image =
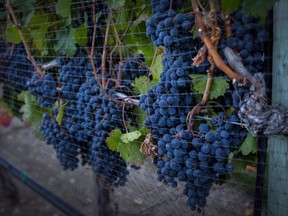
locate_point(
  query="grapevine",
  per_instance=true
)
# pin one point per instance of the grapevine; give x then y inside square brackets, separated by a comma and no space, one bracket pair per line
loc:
[92,95]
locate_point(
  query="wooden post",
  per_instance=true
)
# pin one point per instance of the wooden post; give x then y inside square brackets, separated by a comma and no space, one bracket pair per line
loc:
[278,146]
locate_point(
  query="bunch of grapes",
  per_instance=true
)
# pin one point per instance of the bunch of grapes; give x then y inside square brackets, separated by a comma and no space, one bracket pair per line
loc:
[44,88]
[17,69]
[100,116]
[133,68]
[248,40]
[200,156]
[63,142]
[85,16]
[72,75]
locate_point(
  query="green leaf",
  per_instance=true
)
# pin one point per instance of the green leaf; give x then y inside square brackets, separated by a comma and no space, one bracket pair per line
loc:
[39,41]
[32,113]
[12,34]
[80,35]
[24,6]
[29,17]
[157,68]
[257,8]
[113,139]
[218,88]
[148,51]
[249,145]
[39,24]
[116,4]
[140,115]
[128,150]
[63,8]
[144,85]
[66,42]
[230,5]
[144,131]
[130,137]
[137,40]
[60,115]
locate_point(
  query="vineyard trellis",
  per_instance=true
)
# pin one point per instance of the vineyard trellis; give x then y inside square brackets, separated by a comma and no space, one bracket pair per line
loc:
[112,84]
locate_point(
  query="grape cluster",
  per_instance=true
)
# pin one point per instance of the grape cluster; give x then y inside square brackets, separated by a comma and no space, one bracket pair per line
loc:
[85,16]
[89,117]
[133,68]
[44,88]
[100,116]
[168,103]
[3,54]
[196,157]
[248,40]
[71,75]
[17,69]
[62,141]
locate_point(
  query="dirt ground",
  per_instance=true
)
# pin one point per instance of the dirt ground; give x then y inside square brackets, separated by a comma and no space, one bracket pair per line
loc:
[142,196]
[19,200]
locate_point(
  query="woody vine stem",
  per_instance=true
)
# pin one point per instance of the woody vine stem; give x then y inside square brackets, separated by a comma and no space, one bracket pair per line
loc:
[23,39]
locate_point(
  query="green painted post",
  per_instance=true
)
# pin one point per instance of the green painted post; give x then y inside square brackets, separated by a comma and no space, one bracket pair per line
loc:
[278,146]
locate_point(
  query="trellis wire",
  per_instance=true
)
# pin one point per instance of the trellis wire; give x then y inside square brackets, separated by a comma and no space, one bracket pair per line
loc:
[52,65]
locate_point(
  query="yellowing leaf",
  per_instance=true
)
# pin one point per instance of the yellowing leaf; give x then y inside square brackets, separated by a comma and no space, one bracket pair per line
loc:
[130,137]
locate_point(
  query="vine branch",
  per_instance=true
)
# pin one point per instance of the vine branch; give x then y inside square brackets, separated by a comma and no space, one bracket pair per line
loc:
[23,39]
[212,49]
[196,109]
[227,24]
[91,56]
[104,54]
[202,54]
[119,46]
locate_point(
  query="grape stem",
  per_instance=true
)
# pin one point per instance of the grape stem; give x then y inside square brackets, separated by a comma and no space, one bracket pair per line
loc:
[123,118]
[131,20]
[139,63]
[23,39]
[151,66]
[227,24]
[196,109]
[212,49]
[215,37]
[119,46]
[200,57]
[91,56]
[171,4]
[104,53]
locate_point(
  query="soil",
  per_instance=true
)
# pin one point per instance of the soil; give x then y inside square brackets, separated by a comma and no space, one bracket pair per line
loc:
[142,195]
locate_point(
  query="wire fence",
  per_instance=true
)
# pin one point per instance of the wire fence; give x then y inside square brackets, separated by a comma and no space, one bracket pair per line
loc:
[147,107]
